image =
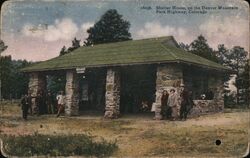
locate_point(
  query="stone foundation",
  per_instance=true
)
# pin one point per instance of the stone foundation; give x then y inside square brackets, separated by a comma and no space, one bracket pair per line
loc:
[167,77]
[112,95]
[37,83]
[72,93]
[202,107]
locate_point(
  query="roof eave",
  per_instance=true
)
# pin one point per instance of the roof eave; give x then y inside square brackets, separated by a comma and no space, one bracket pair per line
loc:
[129,64]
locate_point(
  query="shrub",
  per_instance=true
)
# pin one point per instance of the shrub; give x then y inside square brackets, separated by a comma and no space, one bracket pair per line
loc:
[61,145]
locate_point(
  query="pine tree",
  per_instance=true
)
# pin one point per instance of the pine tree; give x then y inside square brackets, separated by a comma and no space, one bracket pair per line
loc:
[3,47]
[184,46]
[63,51]
[200,47]
[75,45]
[110,28]
[237,59]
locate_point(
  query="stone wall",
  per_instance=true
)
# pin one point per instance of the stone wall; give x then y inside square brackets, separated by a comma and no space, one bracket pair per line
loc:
[112,94]
[167,77]
[210,106]
[216,84]
[72,93]
[37,83]
[205,107]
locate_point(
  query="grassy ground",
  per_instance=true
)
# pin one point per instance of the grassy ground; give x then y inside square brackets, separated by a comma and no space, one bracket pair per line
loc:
[140,135]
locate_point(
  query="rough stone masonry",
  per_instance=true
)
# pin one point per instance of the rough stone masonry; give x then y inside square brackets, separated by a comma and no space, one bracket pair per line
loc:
[112,95]
[72,93]
[37,83]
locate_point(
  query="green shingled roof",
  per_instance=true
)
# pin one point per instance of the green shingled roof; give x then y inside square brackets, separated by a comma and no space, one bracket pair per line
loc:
[153,50]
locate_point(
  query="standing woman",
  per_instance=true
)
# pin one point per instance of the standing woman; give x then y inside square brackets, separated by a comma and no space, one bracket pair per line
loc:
[173,103]
[164,102]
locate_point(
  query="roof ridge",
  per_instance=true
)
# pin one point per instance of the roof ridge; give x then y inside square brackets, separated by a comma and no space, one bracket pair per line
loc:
[135,40]
[163,46]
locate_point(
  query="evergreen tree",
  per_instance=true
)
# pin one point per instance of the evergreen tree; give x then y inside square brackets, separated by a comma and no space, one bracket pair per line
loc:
[223,58]
[184,46]
[110,28]
[75,45]
[19,81]
[14,82]
[200,47]
[63,51]
[238,60]
[244,84]
[3,47]
[5,74]
[222,55]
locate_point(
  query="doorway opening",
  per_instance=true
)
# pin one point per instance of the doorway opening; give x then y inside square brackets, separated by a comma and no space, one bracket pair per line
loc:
[92,90]
[137,88]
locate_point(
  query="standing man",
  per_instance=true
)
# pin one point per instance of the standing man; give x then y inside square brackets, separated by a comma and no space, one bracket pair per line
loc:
[184,97]
[60,102]
[39,103]
[49,103]
[25,106]
[173,103]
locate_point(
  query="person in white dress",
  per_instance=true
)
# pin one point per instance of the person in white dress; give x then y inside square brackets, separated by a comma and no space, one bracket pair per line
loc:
[173,103]
[60,102]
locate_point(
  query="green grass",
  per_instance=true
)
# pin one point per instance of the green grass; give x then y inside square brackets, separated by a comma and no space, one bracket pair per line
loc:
[60,145]
[195,141]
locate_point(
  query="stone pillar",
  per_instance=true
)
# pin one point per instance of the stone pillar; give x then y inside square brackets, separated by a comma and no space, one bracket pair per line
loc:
[112,93]
[72,93]
[167,77]
[217,86]
[219,93]
[37,83]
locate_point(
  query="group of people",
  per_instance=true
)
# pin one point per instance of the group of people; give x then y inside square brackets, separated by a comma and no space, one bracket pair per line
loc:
[174,106]
[43,104]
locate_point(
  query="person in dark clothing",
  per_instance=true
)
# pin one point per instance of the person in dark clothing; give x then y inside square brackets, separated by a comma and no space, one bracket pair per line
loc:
[209,95]
[190,101]
[49,103]
[30,103]
[39,103]
[184,96]
[25,106]
[165,109]
[43,108]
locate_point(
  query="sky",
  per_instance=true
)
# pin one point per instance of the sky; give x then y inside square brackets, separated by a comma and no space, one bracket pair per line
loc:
[37,30]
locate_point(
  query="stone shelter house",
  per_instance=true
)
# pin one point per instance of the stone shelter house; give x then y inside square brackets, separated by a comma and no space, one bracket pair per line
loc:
[120,75]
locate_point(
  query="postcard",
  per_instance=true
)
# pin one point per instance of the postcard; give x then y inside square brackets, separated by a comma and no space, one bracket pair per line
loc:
[109,78]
